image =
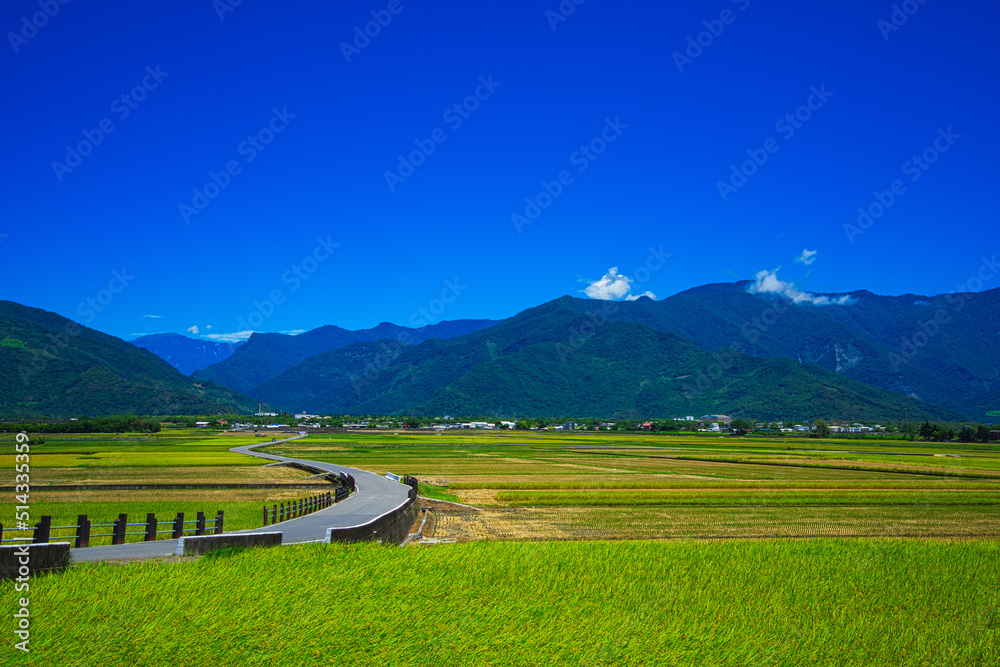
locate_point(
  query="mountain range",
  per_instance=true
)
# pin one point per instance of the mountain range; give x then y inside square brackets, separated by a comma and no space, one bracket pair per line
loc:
[53,367]
[713,349]
[267,355]
[941,352]
[186,354]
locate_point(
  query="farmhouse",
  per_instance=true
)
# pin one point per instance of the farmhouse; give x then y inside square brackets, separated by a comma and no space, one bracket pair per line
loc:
[723,419]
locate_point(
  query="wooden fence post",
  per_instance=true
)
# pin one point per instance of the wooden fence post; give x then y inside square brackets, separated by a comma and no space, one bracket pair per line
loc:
[120,529]
[42,529]
[150,527]
[265,515]
[82,531]
[1,533]
[218,522]
[179,525]
[201,523]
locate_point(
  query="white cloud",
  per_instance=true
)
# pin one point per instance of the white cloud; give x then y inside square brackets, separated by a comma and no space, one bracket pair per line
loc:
[767,282]
[612,286]
[234,337]
[209,326]
[193,329]
[294,332]
[807,257]
[155,317]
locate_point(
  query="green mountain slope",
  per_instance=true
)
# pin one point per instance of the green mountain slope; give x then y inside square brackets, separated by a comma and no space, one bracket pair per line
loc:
[552,360]
[50,366]
[628,370]
[957,365]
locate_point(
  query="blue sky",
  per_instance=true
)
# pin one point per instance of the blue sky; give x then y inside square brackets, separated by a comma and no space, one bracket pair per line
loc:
[622,131]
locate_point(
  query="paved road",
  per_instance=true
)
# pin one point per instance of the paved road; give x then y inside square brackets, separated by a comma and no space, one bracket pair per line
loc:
[375,496]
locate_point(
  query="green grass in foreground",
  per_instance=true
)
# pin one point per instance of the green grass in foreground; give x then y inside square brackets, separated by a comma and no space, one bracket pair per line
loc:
[835,602]
[435,492]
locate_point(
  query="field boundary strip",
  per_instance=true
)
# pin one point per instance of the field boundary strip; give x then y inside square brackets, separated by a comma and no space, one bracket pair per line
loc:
[775,464]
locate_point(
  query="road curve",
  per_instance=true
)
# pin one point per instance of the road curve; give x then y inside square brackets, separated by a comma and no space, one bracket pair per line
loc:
[375,496]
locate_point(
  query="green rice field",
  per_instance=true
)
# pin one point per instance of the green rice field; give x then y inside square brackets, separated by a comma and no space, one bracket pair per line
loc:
[739,602]
[562,549]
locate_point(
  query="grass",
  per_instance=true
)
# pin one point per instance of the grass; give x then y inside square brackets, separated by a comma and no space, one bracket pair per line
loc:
[435,492]
[741,602]
[243,507]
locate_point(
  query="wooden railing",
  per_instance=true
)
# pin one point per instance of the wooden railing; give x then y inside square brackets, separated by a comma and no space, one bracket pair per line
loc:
[297,508]
[119,529]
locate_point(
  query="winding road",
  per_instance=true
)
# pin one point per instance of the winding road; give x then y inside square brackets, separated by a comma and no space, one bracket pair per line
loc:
[375,496]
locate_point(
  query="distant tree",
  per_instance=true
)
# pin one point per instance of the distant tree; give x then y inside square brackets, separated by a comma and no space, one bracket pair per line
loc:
[822,429]
[521,426]
[927,430]
[966,434]
[983,433]
[740,426]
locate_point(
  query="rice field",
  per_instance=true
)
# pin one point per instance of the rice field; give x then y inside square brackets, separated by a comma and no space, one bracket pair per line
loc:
[563,485]
[738,602]
[636,550]
[101,462]
[568,486]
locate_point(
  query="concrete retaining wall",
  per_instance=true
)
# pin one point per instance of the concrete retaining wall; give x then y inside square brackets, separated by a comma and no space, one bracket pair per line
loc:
[201,544]
[47,557]
[390,528]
